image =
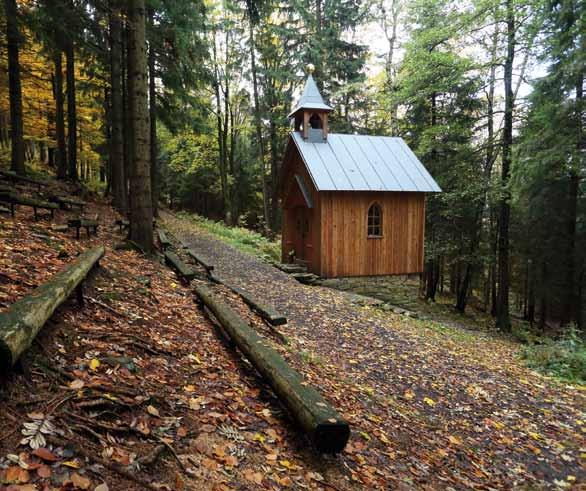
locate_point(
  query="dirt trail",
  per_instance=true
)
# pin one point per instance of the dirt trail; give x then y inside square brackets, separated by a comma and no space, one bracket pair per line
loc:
[431,407]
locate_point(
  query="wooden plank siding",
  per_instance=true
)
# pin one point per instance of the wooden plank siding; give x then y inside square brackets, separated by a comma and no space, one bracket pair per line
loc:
[338,244]
[347,251]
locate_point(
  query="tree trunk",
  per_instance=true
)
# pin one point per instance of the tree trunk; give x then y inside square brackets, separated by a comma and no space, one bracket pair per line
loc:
[141,211]
[118,179]
[503,320]
[15,90]
[153,124]
[71,110]
[59,116]
[257,126]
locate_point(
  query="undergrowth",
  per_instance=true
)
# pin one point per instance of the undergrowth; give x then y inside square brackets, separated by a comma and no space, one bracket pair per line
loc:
[241,238]
[563,357]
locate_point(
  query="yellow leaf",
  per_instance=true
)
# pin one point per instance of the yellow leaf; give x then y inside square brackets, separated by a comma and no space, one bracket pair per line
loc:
[409,394]
[286,464]
[429,401]
[454,440]
[535,436]
[74,464]
[94,364]
[189,388]
[365,435]
[259,438]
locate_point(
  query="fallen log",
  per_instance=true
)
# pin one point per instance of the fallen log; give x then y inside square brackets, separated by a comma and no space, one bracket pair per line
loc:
[20,324]
[182,269]
[200,260]
[266,311]
[327,430]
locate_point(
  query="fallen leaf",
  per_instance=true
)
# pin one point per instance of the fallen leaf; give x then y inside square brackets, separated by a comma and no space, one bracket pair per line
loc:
[429,401]
[94,364]
[153,411]
[76,384]
[44,471]
[80,481]
[45,454]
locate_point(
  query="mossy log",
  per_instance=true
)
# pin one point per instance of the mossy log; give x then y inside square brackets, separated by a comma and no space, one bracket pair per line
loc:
[182,269]
[201,261]
[327,430]
[266,311]
[20,324]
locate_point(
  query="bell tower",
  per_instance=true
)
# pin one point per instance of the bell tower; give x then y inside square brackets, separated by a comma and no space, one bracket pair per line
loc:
[311,114]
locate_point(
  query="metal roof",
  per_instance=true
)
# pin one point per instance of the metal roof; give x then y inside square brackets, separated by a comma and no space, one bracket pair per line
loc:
[311,98]
[364,163]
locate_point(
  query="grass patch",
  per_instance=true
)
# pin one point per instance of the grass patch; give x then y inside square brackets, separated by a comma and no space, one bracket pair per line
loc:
[564,357]
[240,238]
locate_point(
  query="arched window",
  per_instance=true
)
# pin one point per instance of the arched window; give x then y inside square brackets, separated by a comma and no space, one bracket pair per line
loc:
[375,221]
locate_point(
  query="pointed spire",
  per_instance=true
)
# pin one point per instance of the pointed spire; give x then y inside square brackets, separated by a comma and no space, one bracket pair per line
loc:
[311,98]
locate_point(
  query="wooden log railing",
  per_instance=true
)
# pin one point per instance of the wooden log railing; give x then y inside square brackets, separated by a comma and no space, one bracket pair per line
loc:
[182,269]
[201,261]
[326,429]
[267,311]
[20,324]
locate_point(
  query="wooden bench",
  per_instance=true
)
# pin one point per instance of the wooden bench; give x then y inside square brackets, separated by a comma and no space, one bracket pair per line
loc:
[182,269]
[11,176]
[65,202]
[163,240]
[201,261]
[123,224]
[14,199]
[79,223]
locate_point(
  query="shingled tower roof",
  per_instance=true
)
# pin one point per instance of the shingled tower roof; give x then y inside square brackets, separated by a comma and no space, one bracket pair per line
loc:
[310,99]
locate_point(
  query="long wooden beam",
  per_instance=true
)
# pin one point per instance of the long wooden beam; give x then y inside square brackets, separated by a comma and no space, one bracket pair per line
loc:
[267,311]
[325,427]
[24,319]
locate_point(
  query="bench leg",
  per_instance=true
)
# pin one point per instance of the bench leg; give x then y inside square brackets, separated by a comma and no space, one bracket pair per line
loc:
[77,232]
[35,210]
[12,206]
[79,294]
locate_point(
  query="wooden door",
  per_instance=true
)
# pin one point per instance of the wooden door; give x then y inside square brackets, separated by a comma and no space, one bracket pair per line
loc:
[302,233]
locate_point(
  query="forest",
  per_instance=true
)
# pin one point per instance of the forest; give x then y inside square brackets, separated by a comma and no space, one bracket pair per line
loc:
[185,103]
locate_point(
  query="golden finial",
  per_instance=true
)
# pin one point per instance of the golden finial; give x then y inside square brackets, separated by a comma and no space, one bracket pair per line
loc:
[310,68]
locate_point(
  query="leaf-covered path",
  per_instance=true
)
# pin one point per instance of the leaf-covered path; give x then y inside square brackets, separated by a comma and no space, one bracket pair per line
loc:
[431,407]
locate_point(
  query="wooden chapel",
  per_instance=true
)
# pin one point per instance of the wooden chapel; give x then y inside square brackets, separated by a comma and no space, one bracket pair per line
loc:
[353,205]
